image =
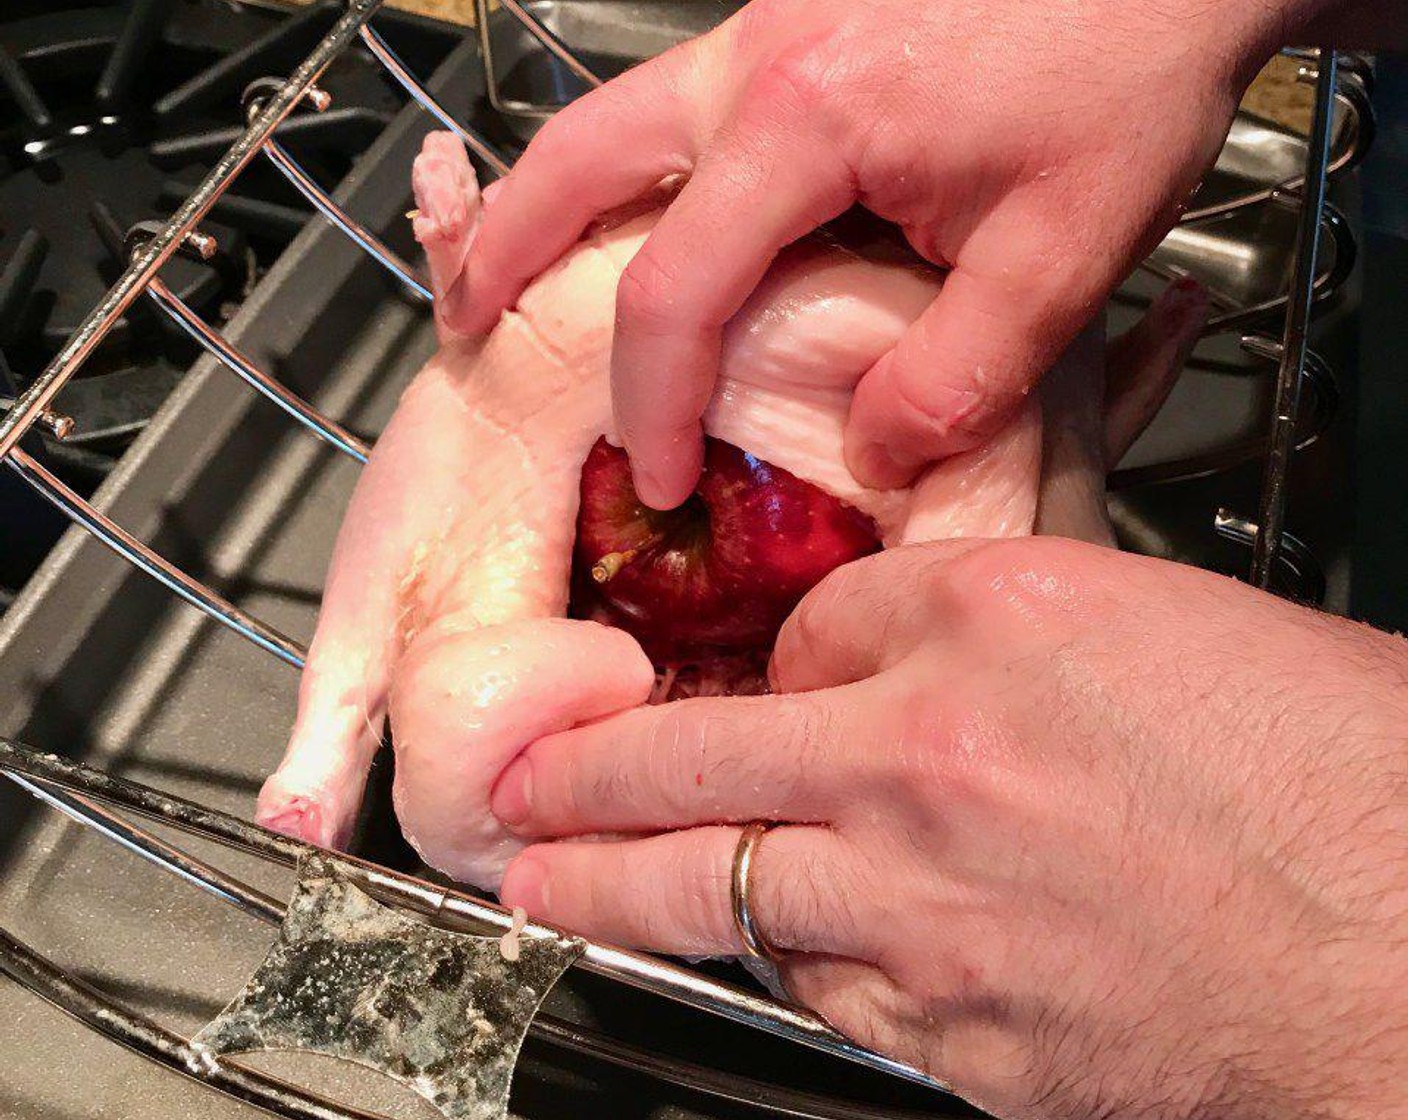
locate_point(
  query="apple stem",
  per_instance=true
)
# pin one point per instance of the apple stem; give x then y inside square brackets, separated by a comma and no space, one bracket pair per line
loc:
[609,565]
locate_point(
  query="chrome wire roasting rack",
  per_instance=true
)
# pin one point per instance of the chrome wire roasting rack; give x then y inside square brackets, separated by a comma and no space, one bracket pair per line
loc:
[1253,196]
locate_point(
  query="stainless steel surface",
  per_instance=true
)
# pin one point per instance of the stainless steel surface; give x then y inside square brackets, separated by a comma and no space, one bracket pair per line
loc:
[529,83]
[529,21]
[1286,416]
[1244,259]
[1262,159]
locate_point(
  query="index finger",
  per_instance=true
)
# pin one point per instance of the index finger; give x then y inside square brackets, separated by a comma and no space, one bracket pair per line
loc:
[764,183]
[604,150]
[694,762]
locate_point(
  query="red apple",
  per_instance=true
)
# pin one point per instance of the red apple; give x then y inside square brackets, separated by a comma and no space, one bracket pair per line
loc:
[720,573]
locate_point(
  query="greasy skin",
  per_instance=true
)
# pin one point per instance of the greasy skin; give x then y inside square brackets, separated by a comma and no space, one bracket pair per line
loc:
[449,582]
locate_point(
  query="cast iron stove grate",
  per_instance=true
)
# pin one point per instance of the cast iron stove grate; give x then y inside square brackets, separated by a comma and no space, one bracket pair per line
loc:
[109,114]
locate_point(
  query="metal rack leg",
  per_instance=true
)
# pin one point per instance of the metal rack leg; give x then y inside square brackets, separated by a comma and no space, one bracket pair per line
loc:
[1271,518]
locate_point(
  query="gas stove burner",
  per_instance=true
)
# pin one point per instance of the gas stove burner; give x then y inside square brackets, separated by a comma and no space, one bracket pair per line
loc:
[109,116]
[81,83]
[112,113]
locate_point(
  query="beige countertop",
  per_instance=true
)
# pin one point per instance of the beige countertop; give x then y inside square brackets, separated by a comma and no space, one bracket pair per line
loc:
[461,11]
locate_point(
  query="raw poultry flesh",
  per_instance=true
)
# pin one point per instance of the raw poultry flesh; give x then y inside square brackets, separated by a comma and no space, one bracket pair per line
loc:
[447,602]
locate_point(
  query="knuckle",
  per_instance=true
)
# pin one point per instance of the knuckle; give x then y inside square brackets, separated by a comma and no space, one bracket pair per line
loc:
[810,76]
[611,783]
[934,403]
[677,756]
[560,793]
[807,732]
[647,294]
[560,134]
[810,627]
[1035,578]
[698,878]
[575,128]
[950,747]
[924,578]
[595,897]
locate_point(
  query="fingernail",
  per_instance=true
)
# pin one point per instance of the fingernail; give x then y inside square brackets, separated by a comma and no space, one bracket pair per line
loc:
[526,884]
[512,799]
[876,466]
[651,489]
[1187,290]
[299,817]
[491,192]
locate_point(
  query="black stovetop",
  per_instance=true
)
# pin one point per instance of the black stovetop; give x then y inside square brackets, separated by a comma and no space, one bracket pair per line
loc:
[109,115]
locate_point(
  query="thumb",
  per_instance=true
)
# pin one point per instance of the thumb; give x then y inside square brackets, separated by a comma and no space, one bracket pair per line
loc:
[964,366]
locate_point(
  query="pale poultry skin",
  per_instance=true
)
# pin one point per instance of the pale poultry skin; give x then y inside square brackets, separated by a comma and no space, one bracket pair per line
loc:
[445,605]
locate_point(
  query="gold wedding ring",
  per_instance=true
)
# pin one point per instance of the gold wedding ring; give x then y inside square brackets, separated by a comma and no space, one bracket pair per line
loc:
[742,886]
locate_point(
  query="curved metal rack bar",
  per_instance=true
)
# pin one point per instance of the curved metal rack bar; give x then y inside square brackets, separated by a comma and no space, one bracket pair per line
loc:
[305,185]
[148,261]
[1291,375]
[215,343]
[534,26]
[140,556]
[1324,397]
[154,850]
[408,81]
[651,974]
[1299,568]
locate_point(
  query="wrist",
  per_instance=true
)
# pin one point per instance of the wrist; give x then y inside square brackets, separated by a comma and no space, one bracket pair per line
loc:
[1281,23]
[1365,24]
[1245,36]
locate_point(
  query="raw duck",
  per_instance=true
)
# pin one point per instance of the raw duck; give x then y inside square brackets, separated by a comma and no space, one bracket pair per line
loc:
[447,600]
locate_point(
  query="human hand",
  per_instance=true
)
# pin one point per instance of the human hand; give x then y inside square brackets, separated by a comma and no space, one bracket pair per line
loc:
[1038,151]
[1078,832]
